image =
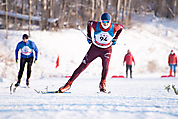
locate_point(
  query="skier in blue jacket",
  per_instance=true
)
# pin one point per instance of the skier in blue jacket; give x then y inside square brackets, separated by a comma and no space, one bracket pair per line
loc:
[27,56]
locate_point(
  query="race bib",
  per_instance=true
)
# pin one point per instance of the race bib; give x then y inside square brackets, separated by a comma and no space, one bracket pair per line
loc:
[26,50]
[103,39]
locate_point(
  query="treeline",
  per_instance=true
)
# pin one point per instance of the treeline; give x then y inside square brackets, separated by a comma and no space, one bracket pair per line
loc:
[58,14]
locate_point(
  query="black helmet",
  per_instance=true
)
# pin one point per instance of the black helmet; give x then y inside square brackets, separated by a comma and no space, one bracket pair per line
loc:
[25,36]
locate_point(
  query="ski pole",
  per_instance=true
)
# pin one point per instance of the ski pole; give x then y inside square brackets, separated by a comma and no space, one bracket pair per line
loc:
[39,67]
[42,72]
[83,32]
[17,66]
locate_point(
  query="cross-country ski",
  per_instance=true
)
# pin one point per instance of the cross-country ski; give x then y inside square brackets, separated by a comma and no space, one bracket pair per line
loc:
[11,88]
[49,92]
[107,92]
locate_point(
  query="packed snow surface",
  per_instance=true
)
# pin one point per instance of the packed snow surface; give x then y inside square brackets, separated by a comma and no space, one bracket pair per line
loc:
[137,98]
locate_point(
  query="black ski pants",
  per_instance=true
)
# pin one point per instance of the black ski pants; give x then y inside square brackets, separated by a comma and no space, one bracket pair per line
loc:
[130,68]
[23,61]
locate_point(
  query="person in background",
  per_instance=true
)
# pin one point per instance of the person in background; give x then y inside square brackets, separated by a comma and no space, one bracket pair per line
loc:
[172,61]
[105,35]
[129,59]
[27,56]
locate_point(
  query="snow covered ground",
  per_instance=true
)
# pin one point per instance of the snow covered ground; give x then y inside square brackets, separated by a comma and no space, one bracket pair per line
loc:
[137,98]
[150,40]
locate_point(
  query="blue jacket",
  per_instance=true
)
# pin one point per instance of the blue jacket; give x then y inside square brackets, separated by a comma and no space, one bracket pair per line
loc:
[26,49]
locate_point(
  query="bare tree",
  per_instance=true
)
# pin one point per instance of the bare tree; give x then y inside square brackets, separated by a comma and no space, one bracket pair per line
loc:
[162,4]
[36,4]
[140,6]
[7,24]
[23,7]
[68,17]
[29,25]
[15,26]
[102,6]
[176,7]
[56,7]
[71,13]
[128,13]
[81,12]
[76,12]
[98,11]
[93,9]
[51,11]
[62,14]
[118,10]
[44,14]
[124,9]
[170,8]
[106,5]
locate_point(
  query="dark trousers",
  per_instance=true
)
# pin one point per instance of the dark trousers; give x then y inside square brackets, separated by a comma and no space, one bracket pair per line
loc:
[23,61]
[93,53]
[130,68]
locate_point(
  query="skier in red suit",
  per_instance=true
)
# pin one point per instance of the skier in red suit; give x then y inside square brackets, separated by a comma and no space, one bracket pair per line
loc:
[128,59]
[172,61]
[105,35]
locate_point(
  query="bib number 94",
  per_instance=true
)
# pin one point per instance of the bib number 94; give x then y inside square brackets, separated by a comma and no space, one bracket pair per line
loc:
[103,38]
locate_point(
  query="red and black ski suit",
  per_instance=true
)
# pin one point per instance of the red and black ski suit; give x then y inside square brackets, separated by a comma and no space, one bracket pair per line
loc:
[101,47]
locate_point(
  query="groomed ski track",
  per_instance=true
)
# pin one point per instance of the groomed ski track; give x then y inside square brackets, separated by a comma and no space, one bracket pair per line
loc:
[136,98]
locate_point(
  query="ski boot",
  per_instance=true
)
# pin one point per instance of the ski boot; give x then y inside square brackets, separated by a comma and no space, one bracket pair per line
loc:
[126,74]
[102,86]
[27,82]
[65,87]
[130,75]
[17,84]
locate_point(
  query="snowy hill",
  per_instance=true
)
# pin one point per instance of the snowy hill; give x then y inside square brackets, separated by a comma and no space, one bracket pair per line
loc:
[150,40]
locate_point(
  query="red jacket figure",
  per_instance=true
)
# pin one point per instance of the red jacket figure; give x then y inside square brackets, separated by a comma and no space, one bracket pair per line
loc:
[129,59]
[172,58]
[172,61]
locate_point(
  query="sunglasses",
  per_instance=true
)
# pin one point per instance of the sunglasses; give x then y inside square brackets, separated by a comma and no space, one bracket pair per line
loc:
[105,21]
[25,38]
